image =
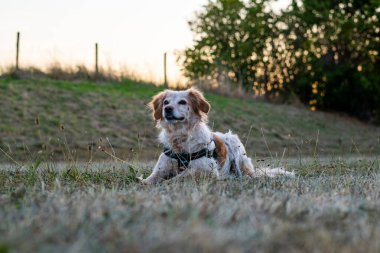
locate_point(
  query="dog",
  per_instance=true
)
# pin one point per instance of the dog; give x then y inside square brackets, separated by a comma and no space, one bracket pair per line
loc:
[190,147]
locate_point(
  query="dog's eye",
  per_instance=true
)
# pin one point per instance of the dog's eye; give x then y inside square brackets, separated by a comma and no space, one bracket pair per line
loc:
[182,102]
[166,102]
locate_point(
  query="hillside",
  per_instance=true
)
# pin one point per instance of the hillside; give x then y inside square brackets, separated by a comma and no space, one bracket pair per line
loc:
[53,119]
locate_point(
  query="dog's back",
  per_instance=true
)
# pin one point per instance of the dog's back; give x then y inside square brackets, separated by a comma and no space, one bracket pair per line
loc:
[237,161]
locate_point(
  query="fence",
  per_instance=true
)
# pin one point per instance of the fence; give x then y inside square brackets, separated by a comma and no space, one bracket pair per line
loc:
[96,67]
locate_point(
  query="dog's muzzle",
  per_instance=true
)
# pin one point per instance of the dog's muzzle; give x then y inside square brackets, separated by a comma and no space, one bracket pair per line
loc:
[169,115]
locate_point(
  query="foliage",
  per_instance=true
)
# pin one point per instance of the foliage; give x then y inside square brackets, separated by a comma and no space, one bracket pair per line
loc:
[327,52]
[230,37]
[336,44]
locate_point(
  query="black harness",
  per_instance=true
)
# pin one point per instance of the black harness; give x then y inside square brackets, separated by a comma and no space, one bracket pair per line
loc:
[184,159]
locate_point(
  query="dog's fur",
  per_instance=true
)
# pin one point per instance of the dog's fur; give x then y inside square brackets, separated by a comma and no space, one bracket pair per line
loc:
[182,118]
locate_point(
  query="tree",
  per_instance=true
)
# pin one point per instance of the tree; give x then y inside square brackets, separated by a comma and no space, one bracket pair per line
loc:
[326,52]
[335,45]
[230,36]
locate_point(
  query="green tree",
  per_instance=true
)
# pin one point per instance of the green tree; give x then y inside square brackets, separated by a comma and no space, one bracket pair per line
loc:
[326,52]
[230,36]
[335,47]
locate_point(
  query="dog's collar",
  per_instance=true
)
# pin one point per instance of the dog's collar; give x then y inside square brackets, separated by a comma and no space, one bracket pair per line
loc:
[184,159]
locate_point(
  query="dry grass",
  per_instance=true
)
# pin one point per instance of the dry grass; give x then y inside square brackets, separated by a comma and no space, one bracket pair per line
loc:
[333,205]
[57,71]
[102,207]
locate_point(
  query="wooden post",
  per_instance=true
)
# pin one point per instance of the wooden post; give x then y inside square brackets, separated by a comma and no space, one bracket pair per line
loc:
[165,77]
[17,49]
[96,59]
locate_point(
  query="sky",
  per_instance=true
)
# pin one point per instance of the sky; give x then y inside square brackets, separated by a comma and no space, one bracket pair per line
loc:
[131,35]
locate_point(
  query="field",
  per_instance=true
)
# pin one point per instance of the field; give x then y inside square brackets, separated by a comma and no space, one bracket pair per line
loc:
[329,207]
[60,193]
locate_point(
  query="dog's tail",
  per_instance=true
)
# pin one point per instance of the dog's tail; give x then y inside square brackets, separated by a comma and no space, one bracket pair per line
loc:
[273,172]
[248,169]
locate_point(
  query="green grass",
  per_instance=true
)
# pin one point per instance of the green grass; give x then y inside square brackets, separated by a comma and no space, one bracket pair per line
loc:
[43,118]
[332,206]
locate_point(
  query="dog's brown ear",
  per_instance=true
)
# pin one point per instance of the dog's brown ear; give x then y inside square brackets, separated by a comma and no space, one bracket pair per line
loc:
[156,105]
[198,102]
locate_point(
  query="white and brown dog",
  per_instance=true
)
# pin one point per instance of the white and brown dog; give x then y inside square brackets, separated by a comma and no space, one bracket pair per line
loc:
[190,147]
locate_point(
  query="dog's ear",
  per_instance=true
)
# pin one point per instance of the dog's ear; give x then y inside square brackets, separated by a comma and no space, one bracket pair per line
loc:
[198,102]
[156,105]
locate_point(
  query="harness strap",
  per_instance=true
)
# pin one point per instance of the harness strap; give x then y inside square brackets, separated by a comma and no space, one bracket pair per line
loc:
[184,159]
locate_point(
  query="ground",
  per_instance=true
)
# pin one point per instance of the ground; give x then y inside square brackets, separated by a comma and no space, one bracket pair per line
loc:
[60,193]
[330,206]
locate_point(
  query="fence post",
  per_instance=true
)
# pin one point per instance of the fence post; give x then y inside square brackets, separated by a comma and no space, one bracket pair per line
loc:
[96,59]
[17,49]
[165,77]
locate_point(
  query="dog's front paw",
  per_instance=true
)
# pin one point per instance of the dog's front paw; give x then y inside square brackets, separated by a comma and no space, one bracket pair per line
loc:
[147,181]
[144,181]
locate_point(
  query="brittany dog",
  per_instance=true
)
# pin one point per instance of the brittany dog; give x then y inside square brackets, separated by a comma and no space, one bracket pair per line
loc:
[190,147]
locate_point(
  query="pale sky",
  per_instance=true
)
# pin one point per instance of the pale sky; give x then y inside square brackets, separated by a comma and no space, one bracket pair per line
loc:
[132,34]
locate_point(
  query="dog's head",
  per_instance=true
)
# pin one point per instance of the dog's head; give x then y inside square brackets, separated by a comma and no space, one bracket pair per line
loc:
[174,107]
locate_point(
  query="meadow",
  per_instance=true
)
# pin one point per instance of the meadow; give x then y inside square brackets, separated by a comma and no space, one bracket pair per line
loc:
[60,192]
[328,207]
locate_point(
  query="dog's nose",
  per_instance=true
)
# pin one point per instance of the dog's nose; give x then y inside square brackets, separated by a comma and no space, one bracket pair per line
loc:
[169,110]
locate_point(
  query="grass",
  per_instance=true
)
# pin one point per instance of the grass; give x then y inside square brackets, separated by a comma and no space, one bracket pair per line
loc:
[60,193]
[42,118]
[332,206]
